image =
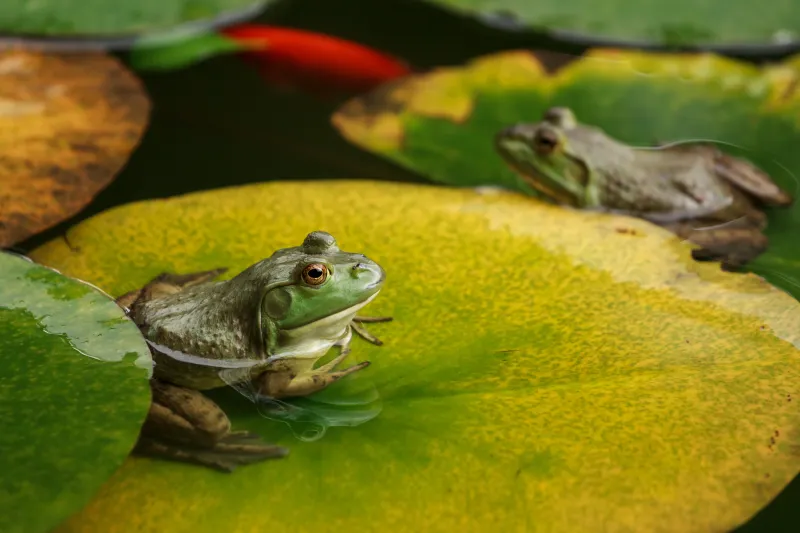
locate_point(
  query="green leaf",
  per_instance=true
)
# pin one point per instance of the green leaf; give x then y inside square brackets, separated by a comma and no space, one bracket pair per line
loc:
[547,369]
[442,124]
[738,24]
[111,18]
[182,52]
[73,393]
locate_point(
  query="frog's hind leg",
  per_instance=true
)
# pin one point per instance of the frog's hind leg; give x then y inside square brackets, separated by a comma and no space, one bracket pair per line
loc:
[166,283]
[184,425]
[732,246]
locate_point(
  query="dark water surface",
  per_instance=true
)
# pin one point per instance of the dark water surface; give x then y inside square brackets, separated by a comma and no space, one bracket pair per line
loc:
[218,124]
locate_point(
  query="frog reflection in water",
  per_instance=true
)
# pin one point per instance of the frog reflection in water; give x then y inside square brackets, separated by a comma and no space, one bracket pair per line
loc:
[275,320]
[694,190]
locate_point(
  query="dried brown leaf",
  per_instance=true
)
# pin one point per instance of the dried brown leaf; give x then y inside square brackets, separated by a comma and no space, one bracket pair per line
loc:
[67,126]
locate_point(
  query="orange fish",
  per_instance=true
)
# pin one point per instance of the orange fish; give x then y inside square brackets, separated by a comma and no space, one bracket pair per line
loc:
[313,61]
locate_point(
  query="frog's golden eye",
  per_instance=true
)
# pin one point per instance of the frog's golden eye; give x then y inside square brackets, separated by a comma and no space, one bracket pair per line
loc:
[315,274]
[545,141]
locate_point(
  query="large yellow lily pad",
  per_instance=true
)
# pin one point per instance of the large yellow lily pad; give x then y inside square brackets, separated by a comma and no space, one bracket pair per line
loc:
[547,370]
[67,125]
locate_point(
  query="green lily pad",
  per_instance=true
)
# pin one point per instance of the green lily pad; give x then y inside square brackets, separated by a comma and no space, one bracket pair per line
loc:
[442,124]
[547,370]
[73,393]
[118,18]
[736,25]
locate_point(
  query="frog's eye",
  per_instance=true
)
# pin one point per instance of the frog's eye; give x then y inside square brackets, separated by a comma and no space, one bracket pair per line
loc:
[545,141]
[315,274]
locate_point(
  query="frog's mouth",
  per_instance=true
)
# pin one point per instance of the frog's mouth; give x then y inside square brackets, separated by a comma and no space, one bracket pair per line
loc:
[312,339]
[336,317]
[378,283]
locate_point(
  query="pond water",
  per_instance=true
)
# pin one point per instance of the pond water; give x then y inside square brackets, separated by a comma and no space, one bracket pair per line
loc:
[219,123]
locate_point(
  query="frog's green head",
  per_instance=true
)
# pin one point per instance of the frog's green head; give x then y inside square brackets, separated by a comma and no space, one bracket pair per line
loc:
[545,155]
[317,282]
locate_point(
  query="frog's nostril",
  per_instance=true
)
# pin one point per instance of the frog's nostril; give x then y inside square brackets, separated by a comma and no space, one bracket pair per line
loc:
[368,270]
[358,268]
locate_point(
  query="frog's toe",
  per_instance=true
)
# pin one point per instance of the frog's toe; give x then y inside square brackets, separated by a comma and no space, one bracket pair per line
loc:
[339,374]
[250,443]
[249,451]
[729,262]
[241,436]
[237,449]
[327,367]
[372,319]
[733,247]
[362,332]
[162,450]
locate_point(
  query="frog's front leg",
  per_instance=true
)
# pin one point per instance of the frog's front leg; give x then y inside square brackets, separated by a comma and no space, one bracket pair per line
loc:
[362,332]
[283,380]
[732,246]
[184,425]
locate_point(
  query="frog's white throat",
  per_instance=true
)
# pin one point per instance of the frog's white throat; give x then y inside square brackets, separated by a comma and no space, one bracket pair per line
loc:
[313,340]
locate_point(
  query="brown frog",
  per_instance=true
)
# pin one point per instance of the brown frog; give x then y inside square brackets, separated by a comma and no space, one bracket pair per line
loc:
[696,191]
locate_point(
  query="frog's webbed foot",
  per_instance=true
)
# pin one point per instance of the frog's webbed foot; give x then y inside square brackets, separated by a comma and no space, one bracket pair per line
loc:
[183,425]
[281,381]
[283,384]
[731,260]
[225,456]
[732,246]
[362,332]
[166,283]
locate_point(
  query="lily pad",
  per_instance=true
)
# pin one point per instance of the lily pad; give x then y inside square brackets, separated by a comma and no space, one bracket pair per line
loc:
[736,25]
[119,18]
[73,393]
[547,369]
[67,125]
[442,124]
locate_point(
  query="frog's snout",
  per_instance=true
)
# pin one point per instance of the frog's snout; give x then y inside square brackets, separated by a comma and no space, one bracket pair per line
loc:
[368,272]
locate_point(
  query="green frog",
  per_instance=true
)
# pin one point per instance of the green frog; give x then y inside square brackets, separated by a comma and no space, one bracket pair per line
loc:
[698,192]
[263,329]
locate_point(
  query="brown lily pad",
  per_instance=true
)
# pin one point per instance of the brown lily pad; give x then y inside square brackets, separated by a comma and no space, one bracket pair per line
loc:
[67,126]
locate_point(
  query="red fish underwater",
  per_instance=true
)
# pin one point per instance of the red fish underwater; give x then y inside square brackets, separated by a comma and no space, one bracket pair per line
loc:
[314,62]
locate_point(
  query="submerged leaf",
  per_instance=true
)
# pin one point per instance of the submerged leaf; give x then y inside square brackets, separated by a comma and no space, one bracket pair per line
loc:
[183,52]
[547,370]
[67,125]
[73,393]
[442,124]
